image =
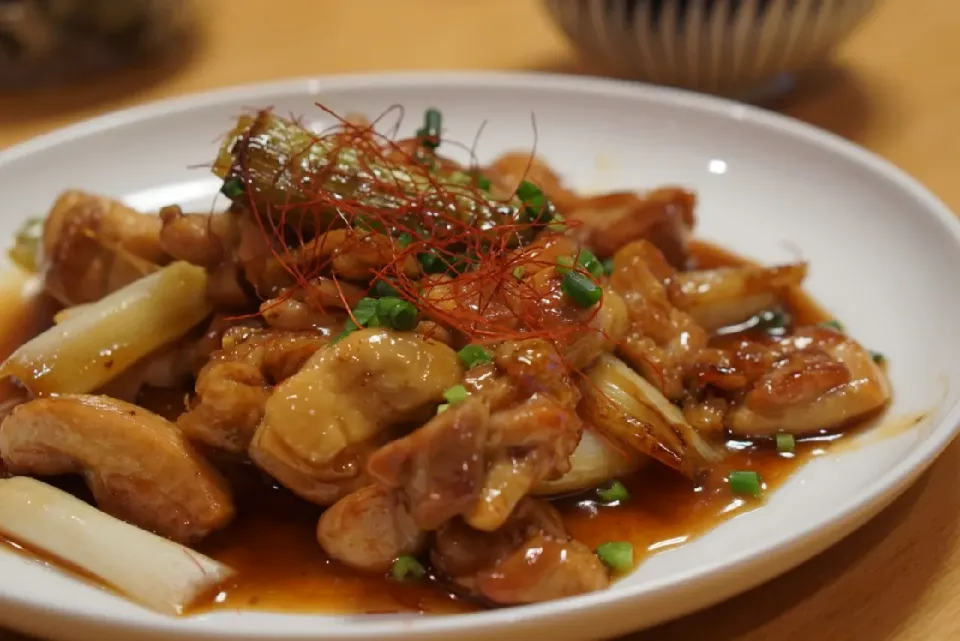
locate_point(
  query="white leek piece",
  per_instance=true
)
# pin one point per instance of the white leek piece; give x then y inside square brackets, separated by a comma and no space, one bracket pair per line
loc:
[594,462]
[90,348]
[160,574]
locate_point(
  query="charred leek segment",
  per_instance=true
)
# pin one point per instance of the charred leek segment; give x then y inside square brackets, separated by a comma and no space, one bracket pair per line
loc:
[594,462]
[626,408]
[160,574]
[283,164]
[103,339]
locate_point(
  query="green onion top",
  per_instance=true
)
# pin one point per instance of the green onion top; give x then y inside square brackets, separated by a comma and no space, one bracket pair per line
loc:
[786,443]
[431,263]
[232,187]
[348,328]
[519,272]
[397,313]
[456,394]
[746,483]
[483,182]
[443,408]
[608,265]
[616,492]
[581,289]
[383,288]
[405,239]
[564,264]
[430,133]
[473,355]
[878,358]
[832,324]
[616,555]
[588,260]
[407,567]
[365,313]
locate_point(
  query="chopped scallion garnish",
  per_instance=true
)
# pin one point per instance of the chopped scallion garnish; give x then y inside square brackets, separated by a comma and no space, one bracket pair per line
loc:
[878,358]
[348,328]
[407,567]
[405,239]
[581,289]
[746,483]
[608,266]
[786,443]
[519,272]
[616,492]
[616,555]
[431,263]
[429,134]
[559,224]
[483,182]
[383,288]
[456,394]
[772,321]
[232,187]
[473,355]
[365,313]
[397,313]
[564,264]
[588,260]
[443,408]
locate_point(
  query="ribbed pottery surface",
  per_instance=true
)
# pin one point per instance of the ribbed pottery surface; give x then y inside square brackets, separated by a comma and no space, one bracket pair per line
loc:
[719,46]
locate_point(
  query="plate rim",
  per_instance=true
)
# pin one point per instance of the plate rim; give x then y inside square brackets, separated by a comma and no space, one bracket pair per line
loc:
[751,567]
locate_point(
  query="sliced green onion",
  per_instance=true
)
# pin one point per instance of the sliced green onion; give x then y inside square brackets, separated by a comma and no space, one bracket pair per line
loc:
[565,264]
[608,265]
[431,263]
[589,261]
[443,408]
[407,567]
[878,358]
[617,492]
[616,555]
[232,187]
[527,191]
[365,313]
[456,394]
[473,355]
[367,223]
[518,272]
[430,133]
[581,289]
[535,202]
[483,182]
[397,313]
[746,483]
[383,288]
[832,324]
[786,443]
[405,239]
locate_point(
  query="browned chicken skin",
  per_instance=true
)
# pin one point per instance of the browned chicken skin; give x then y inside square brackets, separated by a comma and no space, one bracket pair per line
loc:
[531,558]
[137,464]
[94,245]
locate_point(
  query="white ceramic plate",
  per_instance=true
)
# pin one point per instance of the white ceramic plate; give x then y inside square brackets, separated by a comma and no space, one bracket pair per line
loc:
[883,252]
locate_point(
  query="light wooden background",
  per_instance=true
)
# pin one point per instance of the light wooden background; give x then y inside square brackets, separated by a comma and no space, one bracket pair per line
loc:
[894,88]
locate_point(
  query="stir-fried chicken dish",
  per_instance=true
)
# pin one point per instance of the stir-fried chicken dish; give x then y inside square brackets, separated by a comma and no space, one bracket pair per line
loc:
[436,355]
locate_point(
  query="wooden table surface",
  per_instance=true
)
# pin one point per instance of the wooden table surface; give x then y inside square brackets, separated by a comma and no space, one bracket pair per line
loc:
[889,89]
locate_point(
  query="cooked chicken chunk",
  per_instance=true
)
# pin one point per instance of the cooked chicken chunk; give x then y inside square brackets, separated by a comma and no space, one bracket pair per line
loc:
[137,464]
[233,387]
[530,559]
[346,395]
[438,467]
[369,529]
[93,246]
